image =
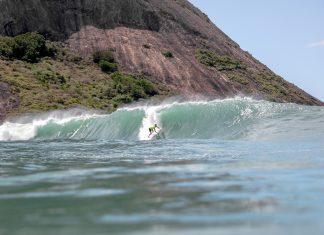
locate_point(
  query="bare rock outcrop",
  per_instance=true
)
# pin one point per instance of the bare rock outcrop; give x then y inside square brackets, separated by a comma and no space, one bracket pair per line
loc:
[8,100]
[139,31]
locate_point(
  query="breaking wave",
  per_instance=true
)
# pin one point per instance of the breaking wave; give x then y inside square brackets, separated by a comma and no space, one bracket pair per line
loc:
[237,118]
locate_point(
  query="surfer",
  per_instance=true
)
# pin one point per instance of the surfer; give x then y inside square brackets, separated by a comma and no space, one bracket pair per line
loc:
[152,129]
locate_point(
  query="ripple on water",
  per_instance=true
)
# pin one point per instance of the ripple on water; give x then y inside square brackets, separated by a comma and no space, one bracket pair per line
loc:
[85,193]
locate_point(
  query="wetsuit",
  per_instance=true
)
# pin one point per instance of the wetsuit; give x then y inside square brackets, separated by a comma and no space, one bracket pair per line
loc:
[153,129]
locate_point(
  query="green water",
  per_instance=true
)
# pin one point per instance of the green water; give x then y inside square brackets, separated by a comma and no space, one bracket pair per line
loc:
[221,167]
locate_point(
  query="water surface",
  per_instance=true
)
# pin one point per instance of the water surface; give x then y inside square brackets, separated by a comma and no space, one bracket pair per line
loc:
[222,167]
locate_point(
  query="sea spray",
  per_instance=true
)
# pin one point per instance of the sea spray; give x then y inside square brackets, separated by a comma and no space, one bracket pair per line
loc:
[27,126]
[209,158]
[151,117]
[237,118]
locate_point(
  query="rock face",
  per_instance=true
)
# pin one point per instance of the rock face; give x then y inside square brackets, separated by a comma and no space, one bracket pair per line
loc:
[139,31]
[58,19]
[7,100]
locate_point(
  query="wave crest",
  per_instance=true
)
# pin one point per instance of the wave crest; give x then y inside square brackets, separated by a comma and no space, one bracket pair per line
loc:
[237,118]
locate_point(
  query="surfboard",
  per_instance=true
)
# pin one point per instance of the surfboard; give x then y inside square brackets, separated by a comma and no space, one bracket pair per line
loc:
[154,135]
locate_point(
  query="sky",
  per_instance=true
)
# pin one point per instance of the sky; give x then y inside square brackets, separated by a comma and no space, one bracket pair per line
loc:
[285,35]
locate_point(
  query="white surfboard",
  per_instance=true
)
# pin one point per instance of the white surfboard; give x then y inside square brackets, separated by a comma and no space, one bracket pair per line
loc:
[153,135]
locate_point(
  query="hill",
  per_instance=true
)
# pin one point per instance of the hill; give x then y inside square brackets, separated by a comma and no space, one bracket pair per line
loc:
[170,42]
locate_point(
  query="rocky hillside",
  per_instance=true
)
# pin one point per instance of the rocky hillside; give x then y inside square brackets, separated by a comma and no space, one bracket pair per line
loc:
[170,41]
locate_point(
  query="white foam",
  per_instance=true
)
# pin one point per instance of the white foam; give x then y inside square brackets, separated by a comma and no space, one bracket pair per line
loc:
[151,118]
[152,111]
[26,128]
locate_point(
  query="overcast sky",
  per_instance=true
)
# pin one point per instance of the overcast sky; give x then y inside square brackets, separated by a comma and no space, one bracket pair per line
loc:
[286,35]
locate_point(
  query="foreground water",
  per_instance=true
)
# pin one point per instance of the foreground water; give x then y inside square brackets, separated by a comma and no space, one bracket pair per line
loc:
[223,167]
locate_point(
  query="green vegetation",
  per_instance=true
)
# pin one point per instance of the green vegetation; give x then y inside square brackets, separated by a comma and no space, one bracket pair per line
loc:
[167,54]
[238,77]
[29,47]
[67,80]
[48,76]
[128,88]
[270,85]
[275,87]
[7,45]
[146,46]
[108,67]
[220,62]
[106,61]
[103,55]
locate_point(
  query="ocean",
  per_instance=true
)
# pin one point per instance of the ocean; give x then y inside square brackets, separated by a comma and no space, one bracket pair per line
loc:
[233,166]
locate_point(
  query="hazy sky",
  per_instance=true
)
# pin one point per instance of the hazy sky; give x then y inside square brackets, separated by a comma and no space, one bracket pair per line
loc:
[286,35]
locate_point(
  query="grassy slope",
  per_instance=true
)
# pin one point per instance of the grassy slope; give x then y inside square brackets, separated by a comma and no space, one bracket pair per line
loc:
[85,84]
[251,81]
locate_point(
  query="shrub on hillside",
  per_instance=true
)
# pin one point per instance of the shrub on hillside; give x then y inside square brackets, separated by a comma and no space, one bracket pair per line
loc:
[123,99]
[167,54]
[47,76]
[148,87]
[221,62]
[103,55]
[138,92]
[130,86]
[30,47]
[106,61]
[7,44]
[108,67]
[146,46]
[52,49]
